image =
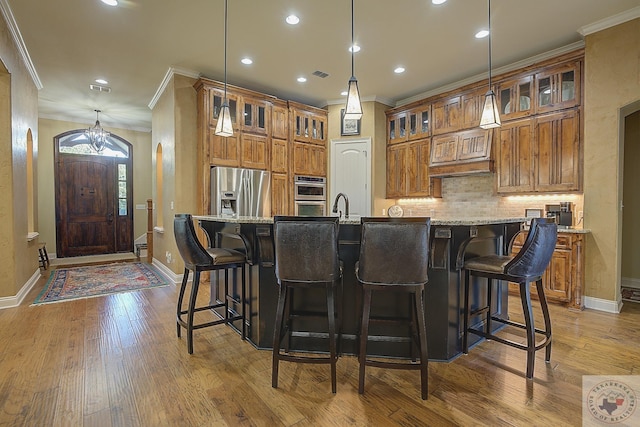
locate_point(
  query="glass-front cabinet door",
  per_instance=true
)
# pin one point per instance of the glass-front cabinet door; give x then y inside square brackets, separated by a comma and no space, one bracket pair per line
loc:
[397,127]
[255,115]
[216,98]
[419,126]
[515,98]
[558,88]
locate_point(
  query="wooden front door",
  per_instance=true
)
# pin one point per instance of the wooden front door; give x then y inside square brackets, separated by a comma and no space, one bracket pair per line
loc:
[93,204]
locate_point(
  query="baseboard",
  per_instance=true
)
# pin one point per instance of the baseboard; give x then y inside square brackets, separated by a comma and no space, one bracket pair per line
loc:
[14,301]
[176,278]
[630,282]
[603,304]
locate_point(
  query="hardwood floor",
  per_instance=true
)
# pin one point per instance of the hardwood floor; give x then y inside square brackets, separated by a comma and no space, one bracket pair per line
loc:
[116,361]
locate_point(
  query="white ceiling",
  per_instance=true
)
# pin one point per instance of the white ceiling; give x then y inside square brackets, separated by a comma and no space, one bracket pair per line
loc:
[73,42]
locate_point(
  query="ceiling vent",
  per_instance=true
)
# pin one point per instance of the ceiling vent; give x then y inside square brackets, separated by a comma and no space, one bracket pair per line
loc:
[99,88]
[320,74]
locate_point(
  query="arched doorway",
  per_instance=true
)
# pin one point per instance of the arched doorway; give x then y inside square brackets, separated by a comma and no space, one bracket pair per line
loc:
[94,195]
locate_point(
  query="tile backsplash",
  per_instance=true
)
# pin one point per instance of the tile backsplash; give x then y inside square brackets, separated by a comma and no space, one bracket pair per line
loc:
[473,196]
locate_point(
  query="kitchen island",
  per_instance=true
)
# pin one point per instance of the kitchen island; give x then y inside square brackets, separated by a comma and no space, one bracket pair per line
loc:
[451,242]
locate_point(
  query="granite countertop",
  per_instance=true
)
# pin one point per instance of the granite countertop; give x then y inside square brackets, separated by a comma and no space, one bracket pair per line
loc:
[355,220]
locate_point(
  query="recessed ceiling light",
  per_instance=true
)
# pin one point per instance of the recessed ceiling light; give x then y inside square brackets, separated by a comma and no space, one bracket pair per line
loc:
[355,48]
[292,19]
[344,93]
[110,2]
[438,1]
[399,70]
[302,79]
[482,34]
[246,61]
[102,81]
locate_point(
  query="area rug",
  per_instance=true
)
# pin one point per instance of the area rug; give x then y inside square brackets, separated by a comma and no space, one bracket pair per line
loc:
[86,282]
[631,294]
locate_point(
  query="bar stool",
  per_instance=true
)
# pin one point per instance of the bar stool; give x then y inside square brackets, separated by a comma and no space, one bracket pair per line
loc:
[198,259]
[394,255]
[525,267]
[306,255]
[43,256]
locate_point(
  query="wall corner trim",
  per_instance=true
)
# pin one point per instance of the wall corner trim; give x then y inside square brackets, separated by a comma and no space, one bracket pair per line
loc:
[14,301]
[167,78]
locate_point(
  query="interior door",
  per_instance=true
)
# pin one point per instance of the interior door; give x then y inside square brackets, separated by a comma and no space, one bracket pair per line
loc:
[351,174]
[85,205]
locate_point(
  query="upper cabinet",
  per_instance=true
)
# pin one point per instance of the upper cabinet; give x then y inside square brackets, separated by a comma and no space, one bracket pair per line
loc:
[558,87]
[280,120]
[472,105]
[216,99]
[408,171]
[461,153]
[419,124]
[397,127]
[447,115]
[309,124]
[256,115]
[515,98]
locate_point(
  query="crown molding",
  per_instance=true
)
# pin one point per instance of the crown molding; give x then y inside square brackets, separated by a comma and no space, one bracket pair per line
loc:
[81,120]
[7,13]
[609,22]
[374,98]
[167,78]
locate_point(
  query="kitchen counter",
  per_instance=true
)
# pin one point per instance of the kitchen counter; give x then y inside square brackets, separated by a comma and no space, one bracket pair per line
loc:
[451,243]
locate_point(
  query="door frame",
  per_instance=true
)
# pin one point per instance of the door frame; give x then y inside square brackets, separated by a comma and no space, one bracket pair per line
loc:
[332,160]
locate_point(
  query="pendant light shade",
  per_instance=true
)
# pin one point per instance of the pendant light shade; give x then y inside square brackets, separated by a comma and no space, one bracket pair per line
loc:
[490,113]
[224,127]
[97,135]
[353,109]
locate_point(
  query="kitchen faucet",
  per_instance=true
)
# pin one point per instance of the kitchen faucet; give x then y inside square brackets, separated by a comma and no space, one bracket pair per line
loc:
[346,205]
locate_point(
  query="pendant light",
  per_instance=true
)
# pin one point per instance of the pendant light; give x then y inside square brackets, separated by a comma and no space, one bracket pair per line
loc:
[224,127]
[97,135]
[490,114]
[353,109]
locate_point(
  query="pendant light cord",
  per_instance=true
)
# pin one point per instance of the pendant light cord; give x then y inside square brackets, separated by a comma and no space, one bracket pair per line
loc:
[490,45]
[352,44]
[225,51]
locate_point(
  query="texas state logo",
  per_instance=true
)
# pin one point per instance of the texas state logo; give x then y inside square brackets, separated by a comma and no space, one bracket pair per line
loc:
[610,400]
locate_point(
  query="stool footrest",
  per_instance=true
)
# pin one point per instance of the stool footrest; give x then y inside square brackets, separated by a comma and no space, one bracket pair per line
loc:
[545,342]
[305,359]
[393,365]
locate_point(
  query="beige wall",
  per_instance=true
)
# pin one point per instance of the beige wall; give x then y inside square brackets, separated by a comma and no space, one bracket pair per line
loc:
[18,116]
[612,81]
[174,126]
[631,199]
[141,142]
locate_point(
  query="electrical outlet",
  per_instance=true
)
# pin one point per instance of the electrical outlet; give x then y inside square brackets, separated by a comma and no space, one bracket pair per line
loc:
[172,205]
[168,256]
[580,215]
[384,211]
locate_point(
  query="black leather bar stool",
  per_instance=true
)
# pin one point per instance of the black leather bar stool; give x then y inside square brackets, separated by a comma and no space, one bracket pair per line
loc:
[525,267]
[306,254]
[197,259]
[394,255]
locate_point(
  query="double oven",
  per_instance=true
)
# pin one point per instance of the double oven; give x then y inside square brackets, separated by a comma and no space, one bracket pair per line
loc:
[310,195]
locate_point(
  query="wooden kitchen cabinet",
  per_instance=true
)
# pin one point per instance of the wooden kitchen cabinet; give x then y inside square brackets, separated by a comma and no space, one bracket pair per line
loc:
[514,153]
[309,159]
[254,151]
[216,98]
[563,280]
[396,170]
[256,115]
[279,155]
[447,115]
[558,87]
[223,151]
[461,153]
[397,128]
[279,120]
[408,171]
[279,194]
[557,152]
[472,105]
[515,98]
[309,124]
[419,122]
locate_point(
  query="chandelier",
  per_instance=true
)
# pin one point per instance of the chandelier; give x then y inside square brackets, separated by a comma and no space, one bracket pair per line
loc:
[97,135]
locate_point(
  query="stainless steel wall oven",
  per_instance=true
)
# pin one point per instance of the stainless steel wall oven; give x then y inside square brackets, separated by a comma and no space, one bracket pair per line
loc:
[310,195]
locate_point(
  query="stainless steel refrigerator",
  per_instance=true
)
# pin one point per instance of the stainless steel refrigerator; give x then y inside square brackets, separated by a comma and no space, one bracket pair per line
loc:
[240,192]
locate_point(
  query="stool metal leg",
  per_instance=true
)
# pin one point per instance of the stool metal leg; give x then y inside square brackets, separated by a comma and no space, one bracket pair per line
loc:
[277,334]
[489,300]
[364,333]
[243,303]
[467,311]
[331,316]
[525,297]
[547,319]
[424,355]
[191,311]
[179,311]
